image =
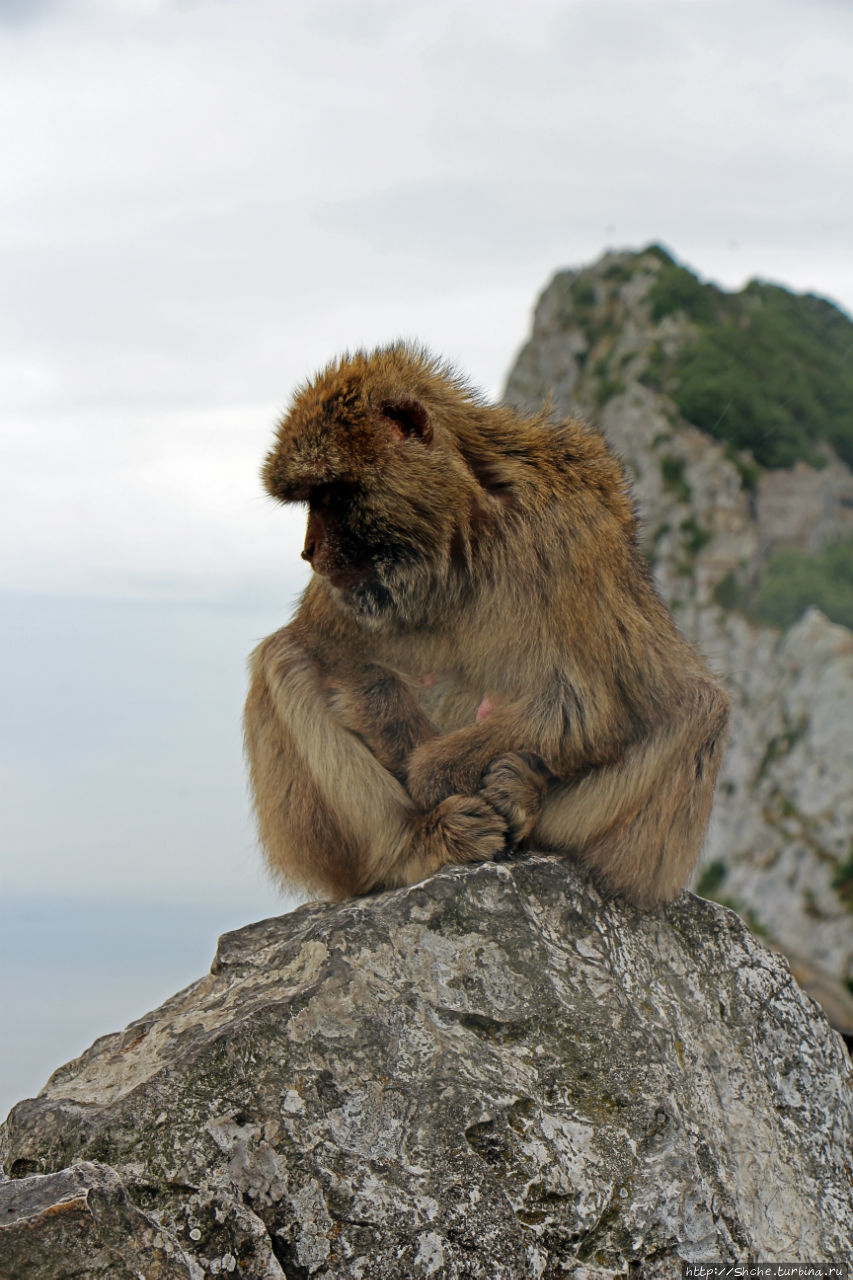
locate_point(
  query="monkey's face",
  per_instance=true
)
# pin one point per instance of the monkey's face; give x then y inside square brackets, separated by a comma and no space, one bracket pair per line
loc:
[381,516]
[369,560]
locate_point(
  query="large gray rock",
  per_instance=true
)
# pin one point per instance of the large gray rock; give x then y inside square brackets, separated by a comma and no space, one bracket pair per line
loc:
[491,1074]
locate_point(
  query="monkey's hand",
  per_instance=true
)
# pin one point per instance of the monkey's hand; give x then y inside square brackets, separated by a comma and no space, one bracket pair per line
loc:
[381,707]
[514,785]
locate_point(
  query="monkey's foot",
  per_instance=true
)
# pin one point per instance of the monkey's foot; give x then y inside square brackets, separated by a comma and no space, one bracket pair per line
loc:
[470,829]
[514,785]
[461,829]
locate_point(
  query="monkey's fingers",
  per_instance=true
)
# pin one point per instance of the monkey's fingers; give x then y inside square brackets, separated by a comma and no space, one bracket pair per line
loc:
[469,829]
[514,785]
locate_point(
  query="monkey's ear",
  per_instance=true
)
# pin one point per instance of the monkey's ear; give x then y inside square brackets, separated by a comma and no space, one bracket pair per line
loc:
[408,418]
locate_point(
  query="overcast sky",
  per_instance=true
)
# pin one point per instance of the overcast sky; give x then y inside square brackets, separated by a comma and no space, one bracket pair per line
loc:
[201,202]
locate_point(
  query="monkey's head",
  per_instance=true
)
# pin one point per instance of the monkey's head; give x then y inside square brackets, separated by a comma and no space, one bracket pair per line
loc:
[369,446]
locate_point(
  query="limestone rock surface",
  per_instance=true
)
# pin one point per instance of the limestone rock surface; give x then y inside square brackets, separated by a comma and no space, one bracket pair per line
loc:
[493,1074]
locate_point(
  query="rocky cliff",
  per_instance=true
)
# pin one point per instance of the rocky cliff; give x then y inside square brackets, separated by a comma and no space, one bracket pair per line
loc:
[633,343]
[493,1074]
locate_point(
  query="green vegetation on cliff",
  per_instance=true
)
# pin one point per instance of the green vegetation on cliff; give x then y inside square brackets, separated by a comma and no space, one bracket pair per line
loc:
[791,581]
[768,370]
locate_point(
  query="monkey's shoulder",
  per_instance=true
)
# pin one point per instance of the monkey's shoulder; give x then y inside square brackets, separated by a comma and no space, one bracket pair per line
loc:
[567,461]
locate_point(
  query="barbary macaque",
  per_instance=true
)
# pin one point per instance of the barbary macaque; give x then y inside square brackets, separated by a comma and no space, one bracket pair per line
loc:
[481,662]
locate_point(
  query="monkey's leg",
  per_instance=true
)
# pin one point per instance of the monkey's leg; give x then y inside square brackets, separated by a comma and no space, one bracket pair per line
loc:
[638,825]
[330,815]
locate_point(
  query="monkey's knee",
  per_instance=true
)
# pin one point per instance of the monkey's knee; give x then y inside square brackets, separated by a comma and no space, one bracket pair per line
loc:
[515,785]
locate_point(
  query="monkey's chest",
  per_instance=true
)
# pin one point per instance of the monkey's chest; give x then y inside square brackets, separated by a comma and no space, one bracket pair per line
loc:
[449,703]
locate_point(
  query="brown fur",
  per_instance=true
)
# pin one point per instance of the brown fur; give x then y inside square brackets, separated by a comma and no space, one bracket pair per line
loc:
[480,659]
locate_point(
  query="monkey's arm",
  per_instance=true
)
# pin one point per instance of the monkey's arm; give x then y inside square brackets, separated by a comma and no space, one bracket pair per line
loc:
[381,707]
[458,762]
[330,814]
[508,756]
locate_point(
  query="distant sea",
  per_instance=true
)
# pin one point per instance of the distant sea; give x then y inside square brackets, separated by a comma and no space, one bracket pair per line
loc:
[73,969]
[126,842]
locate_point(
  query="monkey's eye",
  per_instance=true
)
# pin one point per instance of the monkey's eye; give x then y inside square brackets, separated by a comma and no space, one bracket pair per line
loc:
[322,497]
